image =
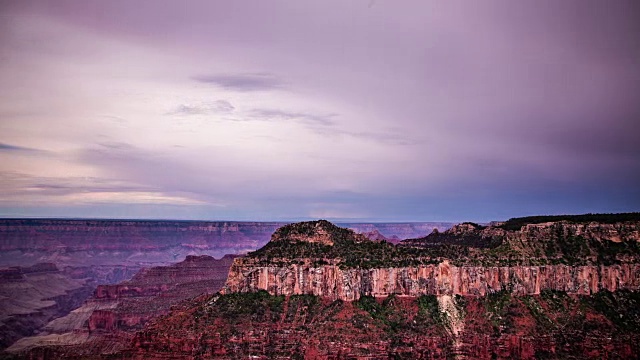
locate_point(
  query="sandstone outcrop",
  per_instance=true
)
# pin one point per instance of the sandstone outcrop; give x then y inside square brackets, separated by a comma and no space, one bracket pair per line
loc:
[443,279]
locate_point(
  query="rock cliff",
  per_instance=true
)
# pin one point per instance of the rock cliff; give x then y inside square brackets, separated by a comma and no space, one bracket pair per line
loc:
[442,279]
[563,256]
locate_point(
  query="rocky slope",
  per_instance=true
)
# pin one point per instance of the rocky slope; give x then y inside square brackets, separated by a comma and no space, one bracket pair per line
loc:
[105,320]
[32,296]
[552,325]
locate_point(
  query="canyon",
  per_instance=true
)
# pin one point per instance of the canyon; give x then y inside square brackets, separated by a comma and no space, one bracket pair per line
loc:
[32,296]
[112,314]
[85,255]
[526,288]
[320,292]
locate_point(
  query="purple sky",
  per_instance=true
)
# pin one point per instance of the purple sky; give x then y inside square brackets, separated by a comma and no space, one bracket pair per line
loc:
[352,110]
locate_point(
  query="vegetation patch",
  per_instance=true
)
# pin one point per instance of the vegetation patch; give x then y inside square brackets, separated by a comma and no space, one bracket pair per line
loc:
[621,307]
[474,245]
[258,305]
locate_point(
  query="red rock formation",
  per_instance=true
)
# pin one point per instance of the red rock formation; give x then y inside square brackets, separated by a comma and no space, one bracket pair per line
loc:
[499,326]
[152,291]
[442,279]
[126,307]
[305,276]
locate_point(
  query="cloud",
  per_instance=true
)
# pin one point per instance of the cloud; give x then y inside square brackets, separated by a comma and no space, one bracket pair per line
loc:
[204,108]
[243,82]
[501,107]
[388,138]
[15,148]
[27,189]
[324,120]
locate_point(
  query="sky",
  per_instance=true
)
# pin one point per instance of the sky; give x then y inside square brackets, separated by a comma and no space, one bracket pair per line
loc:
[367,110]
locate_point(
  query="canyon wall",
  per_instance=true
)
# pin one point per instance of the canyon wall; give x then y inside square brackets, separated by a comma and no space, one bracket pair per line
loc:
[150,242]
[121,242]
[443,279]
[115,311]
[32,296]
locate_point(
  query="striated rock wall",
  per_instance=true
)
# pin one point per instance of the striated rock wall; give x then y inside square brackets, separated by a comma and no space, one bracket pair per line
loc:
[442,279]
[121,242]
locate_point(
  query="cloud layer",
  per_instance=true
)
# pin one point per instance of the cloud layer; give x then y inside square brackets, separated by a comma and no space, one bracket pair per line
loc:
[347,110]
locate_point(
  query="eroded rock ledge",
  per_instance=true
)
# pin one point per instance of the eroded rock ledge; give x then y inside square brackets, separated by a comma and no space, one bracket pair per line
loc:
[442,279]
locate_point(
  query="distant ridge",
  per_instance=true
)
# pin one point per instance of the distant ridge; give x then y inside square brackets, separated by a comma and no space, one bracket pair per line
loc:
[517,222]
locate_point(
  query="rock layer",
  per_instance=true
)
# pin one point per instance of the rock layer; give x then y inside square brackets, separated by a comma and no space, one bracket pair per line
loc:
[443,279]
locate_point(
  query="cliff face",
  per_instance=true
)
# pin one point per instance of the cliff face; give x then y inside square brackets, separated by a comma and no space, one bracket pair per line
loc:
[124,243]
[442,279]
